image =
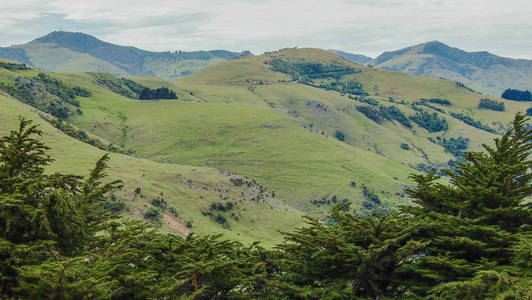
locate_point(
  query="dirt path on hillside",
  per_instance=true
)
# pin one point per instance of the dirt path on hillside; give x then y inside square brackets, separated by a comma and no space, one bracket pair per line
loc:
[176,225]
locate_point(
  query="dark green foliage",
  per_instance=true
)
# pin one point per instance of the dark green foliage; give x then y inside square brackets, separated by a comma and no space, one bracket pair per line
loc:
[393,113]
[444,102]
[159,202]
[529,112]
[221,207]
[366,100]
[349,257]
[160,93]
[517,95]
[468,239]
[491,104]
[238,181]
[305,72]
[137,190]
[472,122]
[455,146]
[220,219]
[473,223]
[120,85]
[380,113]
[58,88]
[351,87]
[372,113]
[14,66]
[114,205]
[431,122]
[132,89]
[339,135]
[47,94]
[405,146]
[424,102]
[153,214]
[58,241]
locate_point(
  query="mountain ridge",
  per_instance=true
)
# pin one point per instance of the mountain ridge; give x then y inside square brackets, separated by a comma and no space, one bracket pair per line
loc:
[62,51]
[482,70]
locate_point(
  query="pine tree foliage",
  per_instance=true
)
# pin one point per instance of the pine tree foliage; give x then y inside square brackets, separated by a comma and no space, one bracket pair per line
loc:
[350,257]
[473,223]
[57,241]
[469,238]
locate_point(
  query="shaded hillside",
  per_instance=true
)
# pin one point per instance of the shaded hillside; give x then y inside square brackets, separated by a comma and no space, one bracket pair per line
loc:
[482,71]
[78,52]
[356,58]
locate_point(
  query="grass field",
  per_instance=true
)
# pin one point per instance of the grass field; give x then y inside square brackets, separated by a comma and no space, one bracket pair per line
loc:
[189,189]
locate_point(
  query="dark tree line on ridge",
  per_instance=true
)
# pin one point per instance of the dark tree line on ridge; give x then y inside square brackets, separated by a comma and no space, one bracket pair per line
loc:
[160,93]
[517,95]
[469,239]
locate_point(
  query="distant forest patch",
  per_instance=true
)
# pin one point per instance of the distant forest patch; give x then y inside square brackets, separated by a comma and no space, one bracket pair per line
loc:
[160,93]
[517,95]
[491,104]
[14,66]
[431,122]
[305,72]
[132,89]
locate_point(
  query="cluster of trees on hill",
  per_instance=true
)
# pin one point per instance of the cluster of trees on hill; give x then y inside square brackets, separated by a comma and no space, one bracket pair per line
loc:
[14,66]
[305,72]
[472,122]
[431,122]
[455,146]
[517,95]
[48,94]
[440,101]
[470,239]
[132,89]
[122,86]
[380,113]
[491,104]
[160,93]
[351,87]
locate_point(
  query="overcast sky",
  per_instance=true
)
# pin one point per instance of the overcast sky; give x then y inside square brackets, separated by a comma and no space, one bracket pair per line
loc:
[366,26]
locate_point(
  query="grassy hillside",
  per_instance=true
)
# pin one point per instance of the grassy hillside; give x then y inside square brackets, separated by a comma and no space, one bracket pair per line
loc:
[189,189]
[77,52]
[327,110]
[309,127]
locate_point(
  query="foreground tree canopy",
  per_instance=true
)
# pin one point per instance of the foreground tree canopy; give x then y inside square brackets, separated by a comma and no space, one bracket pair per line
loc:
[469,239]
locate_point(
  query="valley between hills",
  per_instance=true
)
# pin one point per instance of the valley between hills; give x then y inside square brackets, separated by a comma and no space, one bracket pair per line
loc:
[254,142]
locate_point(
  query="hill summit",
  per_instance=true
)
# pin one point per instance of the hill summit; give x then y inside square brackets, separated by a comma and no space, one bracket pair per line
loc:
[62,51]
[483,71]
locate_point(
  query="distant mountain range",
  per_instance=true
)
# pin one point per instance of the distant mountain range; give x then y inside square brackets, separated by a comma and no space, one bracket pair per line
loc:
[62,51]
[482,71]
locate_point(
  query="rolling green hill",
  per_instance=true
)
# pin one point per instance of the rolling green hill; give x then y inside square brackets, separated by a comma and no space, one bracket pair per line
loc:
[307,127]
[187,190]
[78,52]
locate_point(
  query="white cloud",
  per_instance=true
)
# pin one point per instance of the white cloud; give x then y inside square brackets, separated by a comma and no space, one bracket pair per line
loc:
[361,26]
